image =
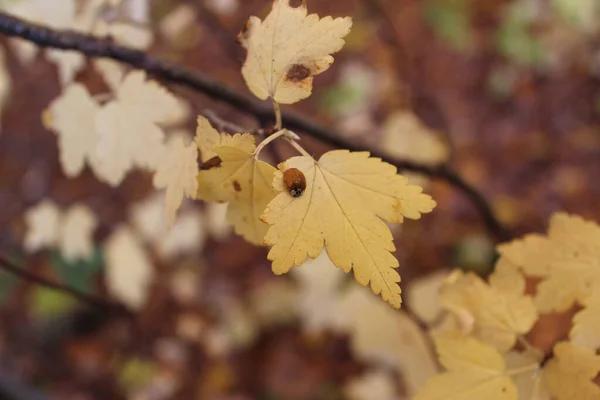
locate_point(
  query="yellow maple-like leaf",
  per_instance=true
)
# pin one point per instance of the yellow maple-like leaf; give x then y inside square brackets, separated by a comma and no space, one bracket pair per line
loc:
[71,116]
[128,268]
[586,324]
[287,49]
[243,181]
[77,227]
[208,137]
[380,334]
[475,371]
[128,128]
[43,226]
[348,197]
[177,173]
[569,375]
[567,259]
[500,310]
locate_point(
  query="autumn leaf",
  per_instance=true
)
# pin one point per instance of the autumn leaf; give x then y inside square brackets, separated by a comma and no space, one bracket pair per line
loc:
[240,179]
[71,116]
[176,173]
[76,233]
[380,334]
[586,324]
[128,268]
[207,138]
[475,371]
[500,310]
[566,259]
[348,197]
[43,223]
[129,129]
[287,49]
[569,375]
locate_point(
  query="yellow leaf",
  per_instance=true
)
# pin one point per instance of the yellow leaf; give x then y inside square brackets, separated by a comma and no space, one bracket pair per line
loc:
[77,228]
[500,313]
[319,286]
[128,128]
[586,324]
[128,268]
[375,385]
[71,116]
[43,224]
[207,138]
[112,72]
[475,371]
[405,136]
[569,375]
[567,259]
[287,49]
[177,173]
[243,181]
[67,62]
[382,335]
[348,197]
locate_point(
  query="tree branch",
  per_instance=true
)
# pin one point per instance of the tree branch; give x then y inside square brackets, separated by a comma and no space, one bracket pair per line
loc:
[93,46]
[88,299]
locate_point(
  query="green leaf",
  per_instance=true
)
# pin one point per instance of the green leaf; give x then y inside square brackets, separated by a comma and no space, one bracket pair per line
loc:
[49,303]
[451,21]
[78,274]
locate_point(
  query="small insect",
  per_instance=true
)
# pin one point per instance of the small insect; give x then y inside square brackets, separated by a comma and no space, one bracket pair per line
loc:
[295,182]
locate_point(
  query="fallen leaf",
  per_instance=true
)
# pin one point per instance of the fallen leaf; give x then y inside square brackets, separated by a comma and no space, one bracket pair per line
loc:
[348,197]
[287,49]
[187,235]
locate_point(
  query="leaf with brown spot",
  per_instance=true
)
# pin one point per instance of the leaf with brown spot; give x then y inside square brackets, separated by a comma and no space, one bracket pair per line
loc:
[287,49]
[243,181]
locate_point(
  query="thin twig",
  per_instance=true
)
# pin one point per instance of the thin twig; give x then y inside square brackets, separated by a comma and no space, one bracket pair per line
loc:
[107,48]
[86,298]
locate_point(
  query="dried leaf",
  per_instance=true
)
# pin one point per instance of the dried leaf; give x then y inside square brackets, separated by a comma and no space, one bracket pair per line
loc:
[177,172]
[42,226]
[240,179]
[128,268]
[567,260]
[128,127]
[475,371]
[71,116]
[348,197]
[569,375]
[499,312]
[77,228]
[287,49]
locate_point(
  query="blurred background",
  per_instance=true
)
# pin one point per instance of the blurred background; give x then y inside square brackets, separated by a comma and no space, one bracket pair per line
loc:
[505,92]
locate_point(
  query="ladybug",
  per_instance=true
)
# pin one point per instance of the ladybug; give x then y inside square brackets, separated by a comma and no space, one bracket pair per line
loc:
[294,181]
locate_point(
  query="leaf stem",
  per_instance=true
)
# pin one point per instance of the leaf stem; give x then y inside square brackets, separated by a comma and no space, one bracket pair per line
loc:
[298,148]
[278,120]
[264,143]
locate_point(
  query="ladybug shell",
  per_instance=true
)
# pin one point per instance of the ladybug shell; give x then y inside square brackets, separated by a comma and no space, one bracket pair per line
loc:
[294,181]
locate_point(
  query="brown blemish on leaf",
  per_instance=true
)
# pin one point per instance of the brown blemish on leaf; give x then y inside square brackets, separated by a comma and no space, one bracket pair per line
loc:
[297,73]
[211,163]
[237,186]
